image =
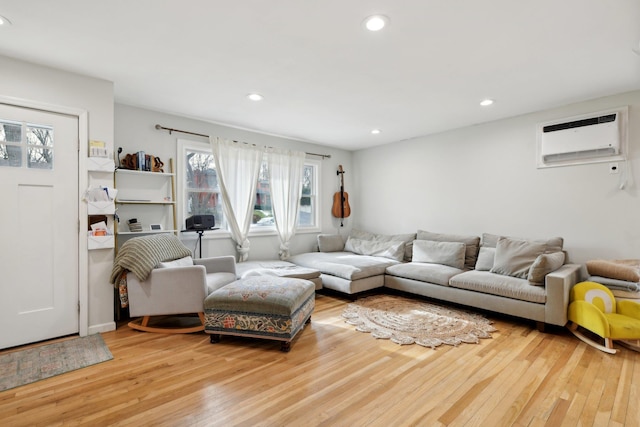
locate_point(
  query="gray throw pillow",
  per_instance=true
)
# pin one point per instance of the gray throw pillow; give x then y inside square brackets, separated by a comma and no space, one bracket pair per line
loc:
[515,257]
[543,265]
[330,243]
[444,253]
[485,258]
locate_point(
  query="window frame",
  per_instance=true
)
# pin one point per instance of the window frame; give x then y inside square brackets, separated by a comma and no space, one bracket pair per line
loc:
[185,144]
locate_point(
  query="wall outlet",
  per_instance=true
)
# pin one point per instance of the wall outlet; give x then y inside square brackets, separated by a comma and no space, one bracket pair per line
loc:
[613,168]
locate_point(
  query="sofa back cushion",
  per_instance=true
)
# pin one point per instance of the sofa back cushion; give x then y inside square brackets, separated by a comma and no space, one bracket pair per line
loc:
[444,253]
[407,239]
[554,244]
[392,249]
[330,243]
[486,256]
[514,257]
[472,244]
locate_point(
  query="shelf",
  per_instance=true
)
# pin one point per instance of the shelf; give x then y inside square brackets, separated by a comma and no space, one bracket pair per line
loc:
[144,202]
[147,232]
[100,164]
[137,172]
[100,242]
[149,197]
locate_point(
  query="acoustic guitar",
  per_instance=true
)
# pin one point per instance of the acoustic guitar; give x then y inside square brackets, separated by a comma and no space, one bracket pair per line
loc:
[341,208]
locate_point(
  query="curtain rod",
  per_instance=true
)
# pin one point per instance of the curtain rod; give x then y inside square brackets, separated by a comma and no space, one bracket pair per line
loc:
[171,130]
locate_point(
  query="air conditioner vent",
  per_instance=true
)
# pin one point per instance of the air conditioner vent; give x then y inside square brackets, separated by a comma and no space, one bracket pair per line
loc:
[580,123]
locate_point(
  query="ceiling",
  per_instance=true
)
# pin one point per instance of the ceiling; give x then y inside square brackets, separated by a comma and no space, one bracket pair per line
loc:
[324,78]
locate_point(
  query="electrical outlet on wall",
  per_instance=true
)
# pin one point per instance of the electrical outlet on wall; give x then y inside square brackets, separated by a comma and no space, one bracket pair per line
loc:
[613,168]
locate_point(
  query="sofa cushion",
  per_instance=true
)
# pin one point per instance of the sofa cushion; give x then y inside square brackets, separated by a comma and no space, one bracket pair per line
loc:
[543,265]
[330,243]
[472,244]
[486,256]
[515,257]
[388,249]
[432,273]
[445,253]
[346,265]
[406,238]
[497,284]
[553,244]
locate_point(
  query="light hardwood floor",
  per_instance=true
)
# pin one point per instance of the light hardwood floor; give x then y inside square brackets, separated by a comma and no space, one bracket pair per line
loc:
[335,376]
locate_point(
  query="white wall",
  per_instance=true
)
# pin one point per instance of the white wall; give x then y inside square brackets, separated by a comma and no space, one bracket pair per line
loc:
[135,130]
[484,179]
[30,83]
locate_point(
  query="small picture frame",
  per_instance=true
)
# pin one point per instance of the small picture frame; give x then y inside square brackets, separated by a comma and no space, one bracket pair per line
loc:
[155,227]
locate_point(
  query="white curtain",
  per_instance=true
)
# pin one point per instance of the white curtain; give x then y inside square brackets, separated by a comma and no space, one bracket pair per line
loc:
[285,182]
[237,166]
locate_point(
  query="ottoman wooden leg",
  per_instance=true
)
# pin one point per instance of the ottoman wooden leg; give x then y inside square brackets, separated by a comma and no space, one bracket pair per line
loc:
[215,338]
[285,346]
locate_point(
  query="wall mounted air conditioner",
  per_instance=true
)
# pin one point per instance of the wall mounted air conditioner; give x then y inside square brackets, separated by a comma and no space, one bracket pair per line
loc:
[584,139]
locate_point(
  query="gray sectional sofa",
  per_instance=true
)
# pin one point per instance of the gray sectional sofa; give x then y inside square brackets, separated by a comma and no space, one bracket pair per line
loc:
[519,277]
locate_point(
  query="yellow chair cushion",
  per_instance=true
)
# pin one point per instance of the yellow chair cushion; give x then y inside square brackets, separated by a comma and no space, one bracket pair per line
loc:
[623,327]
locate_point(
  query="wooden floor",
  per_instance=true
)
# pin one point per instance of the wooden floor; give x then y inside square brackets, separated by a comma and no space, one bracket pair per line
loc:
[335,376]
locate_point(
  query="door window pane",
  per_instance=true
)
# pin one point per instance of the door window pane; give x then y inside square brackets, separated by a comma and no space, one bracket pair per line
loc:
[10,154]
[40,146]
[40,158]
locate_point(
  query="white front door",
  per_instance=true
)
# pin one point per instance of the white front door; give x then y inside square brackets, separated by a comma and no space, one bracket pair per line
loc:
[38,225]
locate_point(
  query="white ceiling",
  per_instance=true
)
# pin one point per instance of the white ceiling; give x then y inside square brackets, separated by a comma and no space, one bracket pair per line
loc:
[324,78]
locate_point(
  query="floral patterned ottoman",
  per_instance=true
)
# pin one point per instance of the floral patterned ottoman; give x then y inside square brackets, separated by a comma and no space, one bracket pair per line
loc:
[269,307]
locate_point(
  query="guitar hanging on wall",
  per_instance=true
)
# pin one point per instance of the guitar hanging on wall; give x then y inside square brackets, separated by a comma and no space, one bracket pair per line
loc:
[341,207]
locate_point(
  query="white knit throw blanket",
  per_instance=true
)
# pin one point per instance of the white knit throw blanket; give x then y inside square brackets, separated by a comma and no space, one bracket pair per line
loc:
[141,254]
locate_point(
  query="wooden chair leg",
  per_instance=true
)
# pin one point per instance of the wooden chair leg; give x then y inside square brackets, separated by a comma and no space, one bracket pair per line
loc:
[143,325]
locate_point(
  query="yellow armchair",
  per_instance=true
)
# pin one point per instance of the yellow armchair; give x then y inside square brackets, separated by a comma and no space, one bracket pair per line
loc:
[593,307]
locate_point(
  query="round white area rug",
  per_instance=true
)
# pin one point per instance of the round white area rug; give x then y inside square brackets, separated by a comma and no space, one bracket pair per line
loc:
[408,321]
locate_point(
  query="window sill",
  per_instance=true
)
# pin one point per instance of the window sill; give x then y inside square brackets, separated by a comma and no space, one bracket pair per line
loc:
[259,232]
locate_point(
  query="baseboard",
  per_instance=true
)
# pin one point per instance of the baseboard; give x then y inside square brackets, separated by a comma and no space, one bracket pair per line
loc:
[105,327]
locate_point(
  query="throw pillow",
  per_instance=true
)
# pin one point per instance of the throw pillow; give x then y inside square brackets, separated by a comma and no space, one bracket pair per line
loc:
[180,262]
[543,265]
[514,257]
[485,258]
[445,253]
[472,243]
[330,243]
[392,250]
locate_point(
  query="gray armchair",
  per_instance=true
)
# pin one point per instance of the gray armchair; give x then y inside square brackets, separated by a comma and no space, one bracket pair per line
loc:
[174,289]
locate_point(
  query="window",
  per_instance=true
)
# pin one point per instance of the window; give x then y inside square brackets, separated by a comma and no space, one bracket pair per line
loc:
[200,192]
[26,144]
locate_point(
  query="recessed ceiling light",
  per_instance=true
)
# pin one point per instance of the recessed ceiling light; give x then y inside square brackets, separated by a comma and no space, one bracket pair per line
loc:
[486,102]
[376,131]
[375,22]
[255,97]
[4,21]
